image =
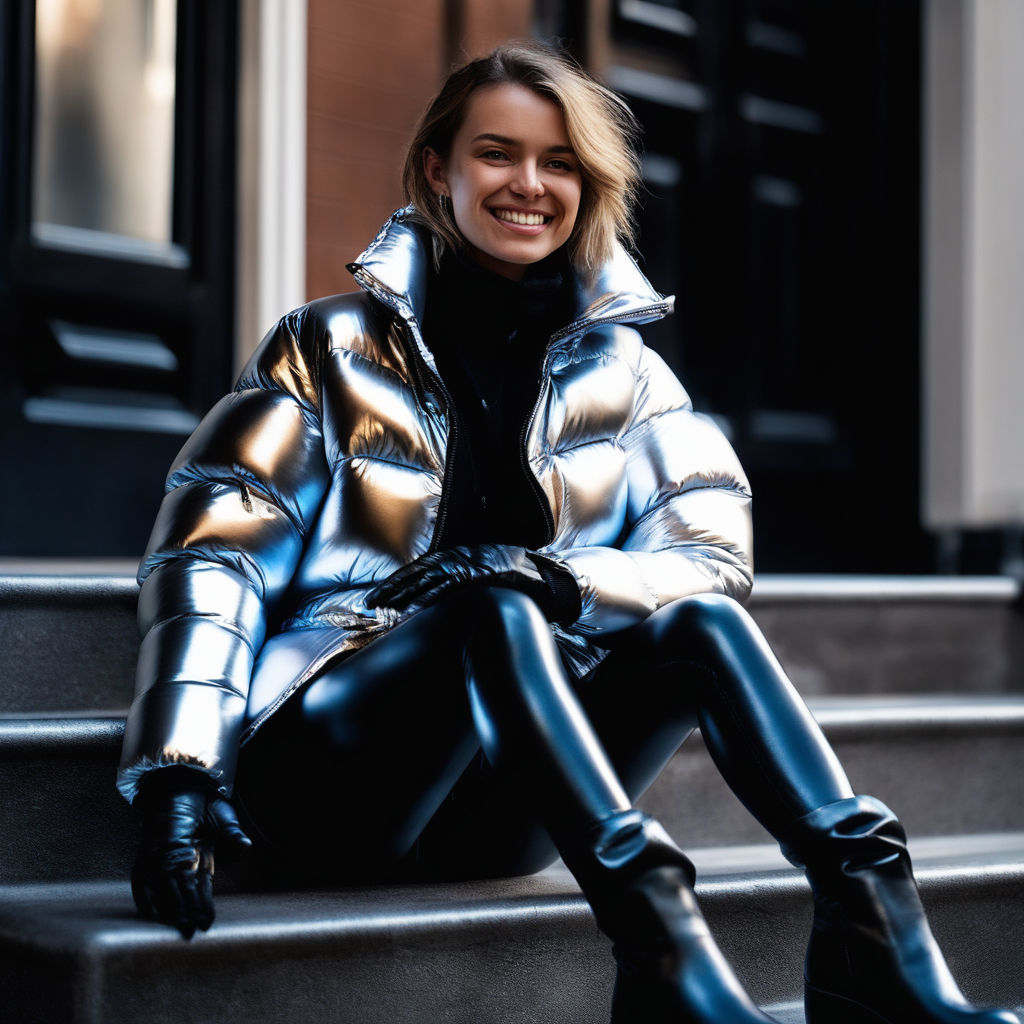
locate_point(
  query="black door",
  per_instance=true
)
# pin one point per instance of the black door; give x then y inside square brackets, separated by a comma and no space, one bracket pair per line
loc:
[117,197]
[782,159]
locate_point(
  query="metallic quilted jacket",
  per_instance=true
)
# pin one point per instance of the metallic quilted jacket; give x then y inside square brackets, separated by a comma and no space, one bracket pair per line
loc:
[324,471]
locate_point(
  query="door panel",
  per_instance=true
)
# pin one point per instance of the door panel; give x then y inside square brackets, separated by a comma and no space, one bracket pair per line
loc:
[116,259]
[782,157]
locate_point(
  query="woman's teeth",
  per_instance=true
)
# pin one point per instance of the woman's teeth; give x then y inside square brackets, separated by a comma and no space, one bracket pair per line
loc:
[515,217]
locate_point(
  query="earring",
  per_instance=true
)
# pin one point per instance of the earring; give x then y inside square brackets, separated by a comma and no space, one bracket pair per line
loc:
[444,201]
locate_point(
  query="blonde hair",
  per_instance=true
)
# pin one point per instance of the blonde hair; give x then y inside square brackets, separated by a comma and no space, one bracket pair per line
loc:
[601,128]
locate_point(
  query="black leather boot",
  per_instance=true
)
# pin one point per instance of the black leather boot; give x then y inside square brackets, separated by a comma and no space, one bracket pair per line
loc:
[872,958]
[670,971]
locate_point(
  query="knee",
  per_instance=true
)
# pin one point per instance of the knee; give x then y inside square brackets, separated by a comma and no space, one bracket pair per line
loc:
[512,661]
[499,615]
[700,617]
[701,612]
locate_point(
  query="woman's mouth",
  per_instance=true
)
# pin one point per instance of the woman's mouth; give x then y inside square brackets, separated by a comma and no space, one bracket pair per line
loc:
[520,218]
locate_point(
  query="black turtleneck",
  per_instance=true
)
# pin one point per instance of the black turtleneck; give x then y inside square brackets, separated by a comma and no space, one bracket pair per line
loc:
[488,335]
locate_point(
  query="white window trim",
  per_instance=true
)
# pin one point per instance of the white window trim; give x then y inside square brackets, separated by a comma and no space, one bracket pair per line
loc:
[271,168]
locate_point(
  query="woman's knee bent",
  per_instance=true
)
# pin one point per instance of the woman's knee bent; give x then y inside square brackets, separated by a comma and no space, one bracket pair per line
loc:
[498,618]
[692,625]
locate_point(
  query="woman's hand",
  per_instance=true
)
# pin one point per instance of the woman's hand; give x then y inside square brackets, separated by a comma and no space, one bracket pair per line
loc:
[183,819]
[501,565]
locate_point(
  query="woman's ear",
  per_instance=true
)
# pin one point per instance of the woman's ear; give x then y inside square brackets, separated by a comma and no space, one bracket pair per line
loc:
[433,168]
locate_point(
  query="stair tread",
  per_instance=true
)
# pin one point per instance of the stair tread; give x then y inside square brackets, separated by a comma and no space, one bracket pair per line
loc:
[482,951]
[838,710]
[721,871]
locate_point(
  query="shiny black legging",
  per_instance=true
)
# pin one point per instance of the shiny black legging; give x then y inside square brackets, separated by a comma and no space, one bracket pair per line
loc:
[374,770]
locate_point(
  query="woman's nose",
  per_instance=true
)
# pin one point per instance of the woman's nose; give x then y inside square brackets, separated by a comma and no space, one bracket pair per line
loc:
[527,181]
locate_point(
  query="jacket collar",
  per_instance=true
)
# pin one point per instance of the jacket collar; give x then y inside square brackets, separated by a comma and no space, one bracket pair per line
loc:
[394,267]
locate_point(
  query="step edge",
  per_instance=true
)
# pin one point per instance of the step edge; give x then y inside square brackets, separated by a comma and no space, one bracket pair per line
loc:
[324,919]
[87,576]
[792,587]
[839,715]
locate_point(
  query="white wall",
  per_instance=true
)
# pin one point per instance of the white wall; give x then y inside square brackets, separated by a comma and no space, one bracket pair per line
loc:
[973,300]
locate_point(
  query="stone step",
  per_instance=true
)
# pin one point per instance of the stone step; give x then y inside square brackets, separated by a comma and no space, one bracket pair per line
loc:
[498,952]
[61,817]
[894,634]
[68,641]
[68,638]
[947,765]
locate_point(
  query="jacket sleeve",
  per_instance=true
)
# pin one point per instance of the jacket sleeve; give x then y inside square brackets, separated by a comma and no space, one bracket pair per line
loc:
[688,526]
[240,498]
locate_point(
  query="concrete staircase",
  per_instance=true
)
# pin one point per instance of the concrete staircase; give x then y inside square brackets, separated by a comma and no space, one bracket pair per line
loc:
[919,685]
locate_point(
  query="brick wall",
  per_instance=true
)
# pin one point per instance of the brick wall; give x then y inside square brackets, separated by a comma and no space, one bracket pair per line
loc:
[484,24]
[373,65]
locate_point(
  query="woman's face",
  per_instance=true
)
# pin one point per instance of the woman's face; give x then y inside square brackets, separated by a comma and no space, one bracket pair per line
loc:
[512,176]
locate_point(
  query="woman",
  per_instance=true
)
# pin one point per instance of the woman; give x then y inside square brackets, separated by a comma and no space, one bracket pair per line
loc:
[465,508]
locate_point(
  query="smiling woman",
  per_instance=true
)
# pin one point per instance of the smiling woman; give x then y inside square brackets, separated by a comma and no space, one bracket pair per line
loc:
[594,125]
[464,609]
[512,177]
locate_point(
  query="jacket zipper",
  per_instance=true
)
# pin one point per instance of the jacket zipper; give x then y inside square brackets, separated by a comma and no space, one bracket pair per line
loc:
[419,368]
[449,474]
[538,491]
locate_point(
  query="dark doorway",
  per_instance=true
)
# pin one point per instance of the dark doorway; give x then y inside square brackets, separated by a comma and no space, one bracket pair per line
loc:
[117,235]
[782,163]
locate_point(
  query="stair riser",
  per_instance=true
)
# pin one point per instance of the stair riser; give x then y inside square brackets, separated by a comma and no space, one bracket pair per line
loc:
[879,647]
[980,929]
[62,818]
[946,782]
[66,648]
[72,644]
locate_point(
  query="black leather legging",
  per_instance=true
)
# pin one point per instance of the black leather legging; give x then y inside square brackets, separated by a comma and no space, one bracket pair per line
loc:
[382,750]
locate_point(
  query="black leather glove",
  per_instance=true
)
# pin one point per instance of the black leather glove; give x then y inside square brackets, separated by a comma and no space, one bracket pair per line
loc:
[183,819]
[502,565]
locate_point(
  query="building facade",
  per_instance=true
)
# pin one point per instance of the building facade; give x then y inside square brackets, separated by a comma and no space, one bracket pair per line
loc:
[805,183]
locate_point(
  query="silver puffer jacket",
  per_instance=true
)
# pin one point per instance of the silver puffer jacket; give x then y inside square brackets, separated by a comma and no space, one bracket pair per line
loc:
[324,471]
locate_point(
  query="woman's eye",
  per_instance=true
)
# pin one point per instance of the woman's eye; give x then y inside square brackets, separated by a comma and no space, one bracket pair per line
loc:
[494,154]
